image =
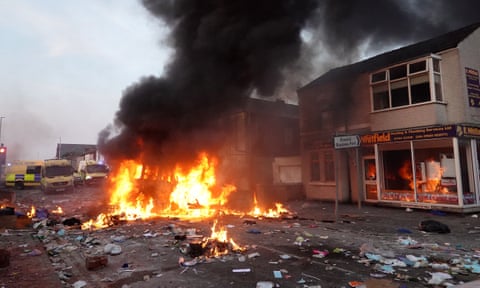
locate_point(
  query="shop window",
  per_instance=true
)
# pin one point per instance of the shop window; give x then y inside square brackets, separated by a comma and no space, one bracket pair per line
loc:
[322,166]
[398,170]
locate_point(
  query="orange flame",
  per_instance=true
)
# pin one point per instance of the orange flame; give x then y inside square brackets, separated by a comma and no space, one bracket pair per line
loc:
[185,193]
[276,212]
[32,212]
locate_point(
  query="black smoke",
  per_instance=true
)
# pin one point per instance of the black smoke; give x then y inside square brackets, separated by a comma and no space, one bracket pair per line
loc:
[224,52]
[344,26]
[227,50]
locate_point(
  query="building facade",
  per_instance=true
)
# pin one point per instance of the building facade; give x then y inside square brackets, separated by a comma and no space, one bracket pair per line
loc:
[401,128]
[261,155]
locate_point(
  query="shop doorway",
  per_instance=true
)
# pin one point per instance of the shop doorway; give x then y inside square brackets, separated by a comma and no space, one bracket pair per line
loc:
[370,178]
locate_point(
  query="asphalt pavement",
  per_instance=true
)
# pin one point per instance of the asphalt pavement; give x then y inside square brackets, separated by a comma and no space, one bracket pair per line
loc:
[318,245]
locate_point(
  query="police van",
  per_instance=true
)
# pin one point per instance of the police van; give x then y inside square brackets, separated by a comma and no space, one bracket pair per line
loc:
[57,176]
[93,172]
[23,174]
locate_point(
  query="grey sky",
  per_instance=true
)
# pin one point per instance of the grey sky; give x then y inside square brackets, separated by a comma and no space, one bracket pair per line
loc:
[64,67]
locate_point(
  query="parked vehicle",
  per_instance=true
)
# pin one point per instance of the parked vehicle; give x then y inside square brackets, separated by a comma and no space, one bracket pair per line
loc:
[93,172]
[57,176]
[23,174]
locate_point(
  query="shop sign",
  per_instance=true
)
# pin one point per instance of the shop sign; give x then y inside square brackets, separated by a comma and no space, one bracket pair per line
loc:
[410,134]
[468,131]
[346,141]
[473,87]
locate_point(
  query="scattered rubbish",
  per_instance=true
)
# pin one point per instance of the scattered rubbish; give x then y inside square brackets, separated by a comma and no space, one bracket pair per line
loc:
[434,226]
[377,275]
[71,221]
[406,241]
[95,262]
[112,249]
[438,278]
[242,258]
[404,231]
[277,274]
[41,213]
[253,255]
[299,241]
[319,253]
[301,281]
[265,284]
[254,231]
[472,267]
[438,213]
[118,239]
[440,266]
[409,209]
[34,252]
[79,284]
[338,250]
[355,283]
[241,270]
[387,269]
[285,256]
[183,263]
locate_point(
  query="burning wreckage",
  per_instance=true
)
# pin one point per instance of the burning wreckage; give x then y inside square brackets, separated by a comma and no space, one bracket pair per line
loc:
[193,195]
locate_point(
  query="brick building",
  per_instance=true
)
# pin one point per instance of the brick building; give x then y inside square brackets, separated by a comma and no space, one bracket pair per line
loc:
[400,128]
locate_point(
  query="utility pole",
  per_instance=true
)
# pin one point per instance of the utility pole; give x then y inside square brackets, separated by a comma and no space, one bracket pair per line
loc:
[1,120]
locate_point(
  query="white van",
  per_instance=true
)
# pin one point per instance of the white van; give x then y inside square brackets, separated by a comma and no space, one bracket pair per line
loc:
[93,172]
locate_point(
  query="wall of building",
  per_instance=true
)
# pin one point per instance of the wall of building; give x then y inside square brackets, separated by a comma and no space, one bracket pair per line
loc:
[469,57]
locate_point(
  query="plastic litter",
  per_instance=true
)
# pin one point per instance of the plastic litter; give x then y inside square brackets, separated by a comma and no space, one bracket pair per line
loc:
[438,278]
[241,270]
[265,284]
[112,249]
[79,284]
[183,263]
[319,253]
[404,231]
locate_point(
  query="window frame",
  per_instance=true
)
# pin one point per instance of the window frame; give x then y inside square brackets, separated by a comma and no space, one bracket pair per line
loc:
[396,87]
[325,165]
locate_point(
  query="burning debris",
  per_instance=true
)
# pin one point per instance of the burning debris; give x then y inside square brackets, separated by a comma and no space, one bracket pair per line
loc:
[186,194]
[215,245]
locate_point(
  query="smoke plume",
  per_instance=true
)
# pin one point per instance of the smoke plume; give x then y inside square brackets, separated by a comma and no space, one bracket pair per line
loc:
[224,52]
[228,50]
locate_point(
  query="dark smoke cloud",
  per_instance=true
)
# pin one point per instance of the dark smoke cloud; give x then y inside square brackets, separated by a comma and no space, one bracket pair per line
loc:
[224,51]
[227,50]
[343,26]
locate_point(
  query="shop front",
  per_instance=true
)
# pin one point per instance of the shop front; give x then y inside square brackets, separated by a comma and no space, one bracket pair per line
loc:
[425,167]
